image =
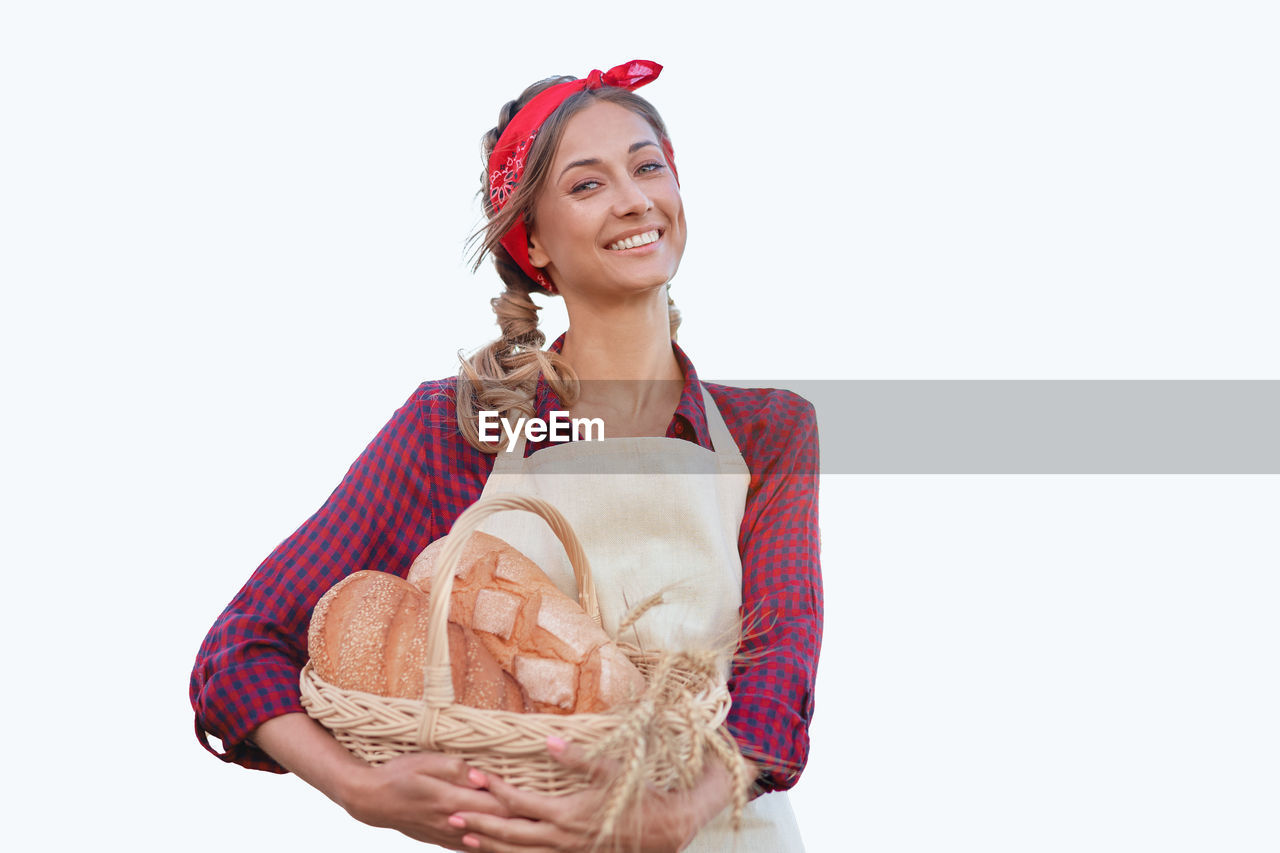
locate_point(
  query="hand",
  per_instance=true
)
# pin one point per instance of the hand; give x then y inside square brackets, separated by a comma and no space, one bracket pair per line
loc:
[659,822]
[414,794]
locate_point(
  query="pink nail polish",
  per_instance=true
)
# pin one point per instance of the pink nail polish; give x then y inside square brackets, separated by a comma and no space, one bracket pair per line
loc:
[477,778]
[471,841]
[555,744]
[457,822]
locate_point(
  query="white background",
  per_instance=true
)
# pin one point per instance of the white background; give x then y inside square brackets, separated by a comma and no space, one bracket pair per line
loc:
[232,243]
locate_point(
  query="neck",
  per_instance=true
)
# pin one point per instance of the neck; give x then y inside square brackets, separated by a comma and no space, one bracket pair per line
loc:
[630,340]
[629,344]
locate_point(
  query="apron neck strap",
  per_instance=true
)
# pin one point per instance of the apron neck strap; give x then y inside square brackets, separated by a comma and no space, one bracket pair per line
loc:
[721,440]
[509,462]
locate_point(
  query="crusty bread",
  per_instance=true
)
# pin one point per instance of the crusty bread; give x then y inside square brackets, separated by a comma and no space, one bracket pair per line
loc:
[369,633]
[563,660]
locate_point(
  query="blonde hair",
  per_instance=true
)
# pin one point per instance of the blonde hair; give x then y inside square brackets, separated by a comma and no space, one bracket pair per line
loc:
[503,375]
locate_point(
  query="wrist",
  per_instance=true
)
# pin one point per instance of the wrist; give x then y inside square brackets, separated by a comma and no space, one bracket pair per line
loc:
[713,795]
[350,788]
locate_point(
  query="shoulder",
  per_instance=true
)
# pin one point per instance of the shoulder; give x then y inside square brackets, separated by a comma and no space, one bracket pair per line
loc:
[425,437]
[765,422]
[436,391]
[753,409]
[428,417]
[435,395]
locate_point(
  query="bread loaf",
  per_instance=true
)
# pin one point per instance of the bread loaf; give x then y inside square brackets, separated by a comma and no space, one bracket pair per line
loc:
[369,633]
[563,660]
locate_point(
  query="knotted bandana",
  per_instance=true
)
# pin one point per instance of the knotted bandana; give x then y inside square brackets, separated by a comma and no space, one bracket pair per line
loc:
[507,162]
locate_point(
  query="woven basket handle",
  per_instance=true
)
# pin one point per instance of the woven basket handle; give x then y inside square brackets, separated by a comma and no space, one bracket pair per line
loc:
[438,677]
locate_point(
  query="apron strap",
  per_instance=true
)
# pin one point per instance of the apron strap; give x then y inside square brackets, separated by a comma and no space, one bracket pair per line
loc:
[510,463]
[730,458]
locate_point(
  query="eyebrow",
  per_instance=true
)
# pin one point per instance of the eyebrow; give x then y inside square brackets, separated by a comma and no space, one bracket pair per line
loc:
[595,161]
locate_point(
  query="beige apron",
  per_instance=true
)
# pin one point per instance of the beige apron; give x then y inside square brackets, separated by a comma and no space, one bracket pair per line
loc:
[653,514]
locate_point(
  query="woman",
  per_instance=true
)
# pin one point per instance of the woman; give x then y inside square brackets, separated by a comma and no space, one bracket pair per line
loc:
[583,200]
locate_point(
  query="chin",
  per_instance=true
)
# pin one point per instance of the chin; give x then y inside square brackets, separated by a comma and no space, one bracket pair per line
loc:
[654,282]
[641,280]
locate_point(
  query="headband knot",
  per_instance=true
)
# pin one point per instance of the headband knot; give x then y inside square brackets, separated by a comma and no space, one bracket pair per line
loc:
[507,162]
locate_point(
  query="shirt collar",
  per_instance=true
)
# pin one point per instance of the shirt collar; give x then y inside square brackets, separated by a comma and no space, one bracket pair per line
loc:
[689,421]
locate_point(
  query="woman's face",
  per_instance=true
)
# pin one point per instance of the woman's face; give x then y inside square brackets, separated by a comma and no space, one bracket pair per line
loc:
[609,219]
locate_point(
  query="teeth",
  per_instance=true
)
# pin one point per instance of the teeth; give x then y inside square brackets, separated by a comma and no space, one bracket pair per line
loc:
[638,240]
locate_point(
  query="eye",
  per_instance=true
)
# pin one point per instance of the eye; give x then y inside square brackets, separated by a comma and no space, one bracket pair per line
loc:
[652,167]
[584,186]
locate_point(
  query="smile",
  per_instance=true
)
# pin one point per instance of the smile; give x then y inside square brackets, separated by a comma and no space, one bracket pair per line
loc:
[638,240]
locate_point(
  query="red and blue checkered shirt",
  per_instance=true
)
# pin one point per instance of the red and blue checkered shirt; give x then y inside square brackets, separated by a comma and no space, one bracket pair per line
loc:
[418,475]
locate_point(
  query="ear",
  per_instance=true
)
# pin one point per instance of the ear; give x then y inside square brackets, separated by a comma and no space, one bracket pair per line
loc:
[537,256]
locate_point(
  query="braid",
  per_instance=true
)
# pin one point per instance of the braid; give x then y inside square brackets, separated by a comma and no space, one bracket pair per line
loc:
[503,375]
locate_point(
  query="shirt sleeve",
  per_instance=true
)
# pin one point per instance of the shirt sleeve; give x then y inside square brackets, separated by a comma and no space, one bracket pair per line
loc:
[773,679]
[378,517]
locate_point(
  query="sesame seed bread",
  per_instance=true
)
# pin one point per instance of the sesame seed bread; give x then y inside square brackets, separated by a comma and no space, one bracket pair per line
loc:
[369,633]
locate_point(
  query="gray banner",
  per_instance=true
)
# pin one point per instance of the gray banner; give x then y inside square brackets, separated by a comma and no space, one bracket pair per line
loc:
[1045,426]
[1020,426]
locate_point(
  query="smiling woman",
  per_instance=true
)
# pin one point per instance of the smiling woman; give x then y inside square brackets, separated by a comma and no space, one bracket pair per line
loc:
[703,493]
[572,171]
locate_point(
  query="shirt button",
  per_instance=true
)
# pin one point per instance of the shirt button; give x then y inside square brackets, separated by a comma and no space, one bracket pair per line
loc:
[679,426]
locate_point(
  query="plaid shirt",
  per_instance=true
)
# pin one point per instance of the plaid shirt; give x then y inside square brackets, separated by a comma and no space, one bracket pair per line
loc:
[418,475]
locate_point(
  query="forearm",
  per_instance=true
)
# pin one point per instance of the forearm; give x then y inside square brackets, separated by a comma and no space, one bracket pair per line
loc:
[414,794]
[306,749]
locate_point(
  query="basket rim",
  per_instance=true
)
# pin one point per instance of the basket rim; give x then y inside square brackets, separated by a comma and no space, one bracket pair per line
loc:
[707,697]
[309,673]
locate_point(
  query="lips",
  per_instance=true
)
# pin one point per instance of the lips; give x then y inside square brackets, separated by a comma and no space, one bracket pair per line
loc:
[633,241]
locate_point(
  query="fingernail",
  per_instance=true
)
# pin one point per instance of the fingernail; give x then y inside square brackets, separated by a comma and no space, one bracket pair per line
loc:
[456,822]
[471,841]
[477,778]
[555,744]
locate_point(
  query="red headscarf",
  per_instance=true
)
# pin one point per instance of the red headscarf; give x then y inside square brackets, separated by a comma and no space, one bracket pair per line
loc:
[507,162]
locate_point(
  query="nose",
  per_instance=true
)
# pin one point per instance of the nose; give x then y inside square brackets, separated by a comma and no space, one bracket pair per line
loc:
[631,199]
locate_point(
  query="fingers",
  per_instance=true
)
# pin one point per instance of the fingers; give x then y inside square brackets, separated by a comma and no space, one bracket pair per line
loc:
[428,785]
[599,770]
[507,835]
[452,782]
[566,811]
[476,801]
[484,844]
[448,768]
[529,822]
[490,834]
[525,803]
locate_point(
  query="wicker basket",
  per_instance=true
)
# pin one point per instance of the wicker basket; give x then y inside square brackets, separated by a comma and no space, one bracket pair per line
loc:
[663,738]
